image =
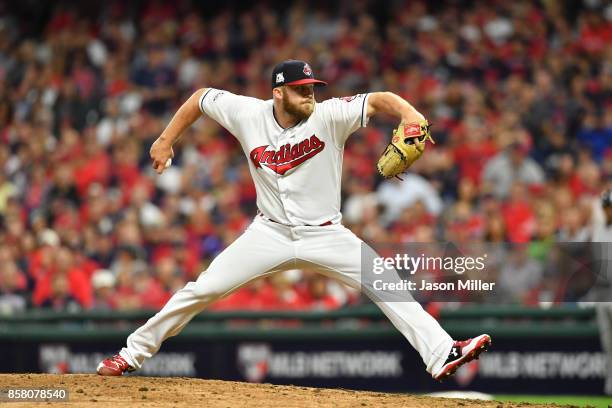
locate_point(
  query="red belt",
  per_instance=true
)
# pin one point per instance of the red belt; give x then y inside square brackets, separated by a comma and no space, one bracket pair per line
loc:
[325,224]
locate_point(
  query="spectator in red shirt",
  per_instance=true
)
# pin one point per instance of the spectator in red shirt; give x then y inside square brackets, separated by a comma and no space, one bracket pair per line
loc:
[94,167]
[59,297]
[78,284]
[316,295]
[518,215]
[472,153]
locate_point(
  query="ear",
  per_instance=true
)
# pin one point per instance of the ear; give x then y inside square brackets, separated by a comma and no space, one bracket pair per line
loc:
[277,93]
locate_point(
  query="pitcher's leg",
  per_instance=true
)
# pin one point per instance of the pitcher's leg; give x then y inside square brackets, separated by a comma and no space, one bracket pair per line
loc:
[255,253]
[422,331]
[338,251]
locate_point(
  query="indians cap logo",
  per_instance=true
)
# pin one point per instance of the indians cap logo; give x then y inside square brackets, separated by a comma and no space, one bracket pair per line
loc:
[307,70]
[280,77]
[288,156]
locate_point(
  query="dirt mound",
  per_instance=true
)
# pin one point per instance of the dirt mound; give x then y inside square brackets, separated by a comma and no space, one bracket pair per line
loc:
[91,390]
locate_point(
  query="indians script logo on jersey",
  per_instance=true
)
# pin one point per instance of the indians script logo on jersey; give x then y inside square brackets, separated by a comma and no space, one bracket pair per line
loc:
[288,156]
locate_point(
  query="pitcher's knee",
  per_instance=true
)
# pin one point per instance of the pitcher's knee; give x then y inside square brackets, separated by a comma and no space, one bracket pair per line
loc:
[208,290]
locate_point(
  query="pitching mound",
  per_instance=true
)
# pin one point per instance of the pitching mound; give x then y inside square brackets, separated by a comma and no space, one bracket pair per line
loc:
[87,390]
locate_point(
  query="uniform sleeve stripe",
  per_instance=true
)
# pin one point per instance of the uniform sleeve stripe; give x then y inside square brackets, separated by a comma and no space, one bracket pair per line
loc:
[365,98]
[201,102]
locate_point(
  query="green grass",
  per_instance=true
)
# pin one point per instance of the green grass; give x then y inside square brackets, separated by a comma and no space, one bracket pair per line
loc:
[577,400]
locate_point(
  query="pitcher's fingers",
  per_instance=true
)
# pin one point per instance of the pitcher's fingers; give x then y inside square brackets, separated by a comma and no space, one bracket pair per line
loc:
[157,166]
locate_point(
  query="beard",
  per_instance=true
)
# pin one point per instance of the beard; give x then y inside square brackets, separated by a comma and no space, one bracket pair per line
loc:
[300,111]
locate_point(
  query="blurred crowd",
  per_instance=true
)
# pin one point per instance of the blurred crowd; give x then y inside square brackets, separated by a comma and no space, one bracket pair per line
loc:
[519,94]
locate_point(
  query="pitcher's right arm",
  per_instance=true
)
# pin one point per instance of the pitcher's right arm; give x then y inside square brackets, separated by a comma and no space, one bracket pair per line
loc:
[187,114]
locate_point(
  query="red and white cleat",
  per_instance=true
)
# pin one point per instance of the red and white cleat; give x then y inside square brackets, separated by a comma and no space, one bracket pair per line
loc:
[463,352]
[116,365]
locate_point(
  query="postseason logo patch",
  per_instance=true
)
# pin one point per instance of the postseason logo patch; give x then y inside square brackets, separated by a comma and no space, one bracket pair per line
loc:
[350,98]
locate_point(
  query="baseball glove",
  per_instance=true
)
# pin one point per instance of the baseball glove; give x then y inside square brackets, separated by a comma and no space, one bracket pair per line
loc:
[406,147]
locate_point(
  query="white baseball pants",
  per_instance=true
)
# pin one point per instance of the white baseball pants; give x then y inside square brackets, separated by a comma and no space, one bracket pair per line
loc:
[267,247]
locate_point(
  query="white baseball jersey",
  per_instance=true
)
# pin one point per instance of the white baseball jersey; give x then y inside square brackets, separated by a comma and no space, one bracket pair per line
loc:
[297,171]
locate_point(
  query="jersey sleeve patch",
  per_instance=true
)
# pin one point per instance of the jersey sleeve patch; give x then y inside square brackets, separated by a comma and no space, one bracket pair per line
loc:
[348,98]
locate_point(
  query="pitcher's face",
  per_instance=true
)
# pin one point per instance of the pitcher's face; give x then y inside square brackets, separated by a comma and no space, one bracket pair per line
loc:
[298,100]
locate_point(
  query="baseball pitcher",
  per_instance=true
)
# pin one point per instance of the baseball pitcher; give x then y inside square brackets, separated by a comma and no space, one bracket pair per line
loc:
[294,146]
